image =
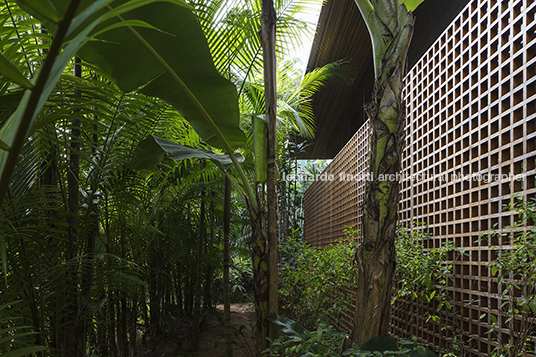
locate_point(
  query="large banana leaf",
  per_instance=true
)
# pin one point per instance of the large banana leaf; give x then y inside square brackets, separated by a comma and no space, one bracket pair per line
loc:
[170,61]
[151,150]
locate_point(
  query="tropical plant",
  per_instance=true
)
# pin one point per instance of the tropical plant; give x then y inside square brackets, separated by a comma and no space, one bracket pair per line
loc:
[422,272]
[96,289]
[324,342]
[390,26]
[250,181]
[315,284]
[515,271]
[94,124]
[190,83]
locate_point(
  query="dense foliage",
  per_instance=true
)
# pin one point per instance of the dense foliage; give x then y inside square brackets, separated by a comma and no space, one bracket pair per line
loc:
[515,271]
[316,283]
[97,256]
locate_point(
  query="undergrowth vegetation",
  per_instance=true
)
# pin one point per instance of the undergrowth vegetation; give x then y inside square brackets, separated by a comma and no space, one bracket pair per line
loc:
[515,271]
[317,284]
[316,288]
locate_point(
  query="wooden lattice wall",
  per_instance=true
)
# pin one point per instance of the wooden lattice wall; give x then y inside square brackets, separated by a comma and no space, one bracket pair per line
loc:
[471,109]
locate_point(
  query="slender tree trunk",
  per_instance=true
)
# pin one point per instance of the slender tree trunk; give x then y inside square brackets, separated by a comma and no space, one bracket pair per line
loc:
[226,287]
[268,50]
[196,322]
[259,256]
[180,300]
[74,339]
[376,254]
[133,329]
[122,333]
[112,345]
[112,350]
[284,213]
[100,329]
[207,296]
[92,229]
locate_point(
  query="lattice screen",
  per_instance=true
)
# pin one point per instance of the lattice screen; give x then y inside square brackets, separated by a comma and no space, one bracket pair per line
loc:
[471,105]
[333,205]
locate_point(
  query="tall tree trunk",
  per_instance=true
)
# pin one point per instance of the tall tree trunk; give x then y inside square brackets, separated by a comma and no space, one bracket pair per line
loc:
[196,322]
[73,324]
[133,328]
[91,223]
[284,213]
[122,330]
[259,256]
[391,26]
[112,345]
[207,296]
[112,350]
[180,300]
[226,288]
[268,51]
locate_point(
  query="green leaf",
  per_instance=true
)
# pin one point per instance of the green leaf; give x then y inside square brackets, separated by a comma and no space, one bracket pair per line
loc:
[135,23]
[151,150]
[24,351]
[12,73]
[172,63]
[133,4]
[493,319]
[43,8]
[4,146]
[411,4]
[291,328]
[494,270]
[20,122]
[416,350]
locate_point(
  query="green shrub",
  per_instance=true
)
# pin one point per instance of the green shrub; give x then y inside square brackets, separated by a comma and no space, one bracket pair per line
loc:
[515,270]
[326,342]
[315,283]
[421,271]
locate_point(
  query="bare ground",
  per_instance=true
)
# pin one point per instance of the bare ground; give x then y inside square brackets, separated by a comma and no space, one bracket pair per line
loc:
[177,345]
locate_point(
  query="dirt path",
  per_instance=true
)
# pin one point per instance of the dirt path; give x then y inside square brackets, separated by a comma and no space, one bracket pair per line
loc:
[211,330]
[241,315]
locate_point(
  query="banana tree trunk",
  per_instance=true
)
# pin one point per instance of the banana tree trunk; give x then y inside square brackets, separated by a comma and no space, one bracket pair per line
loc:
[391,29]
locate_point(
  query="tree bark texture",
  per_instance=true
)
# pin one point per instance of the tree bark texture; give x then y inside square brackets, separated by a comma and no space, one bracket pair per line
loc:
[376,255]
[259,256]
[269,59]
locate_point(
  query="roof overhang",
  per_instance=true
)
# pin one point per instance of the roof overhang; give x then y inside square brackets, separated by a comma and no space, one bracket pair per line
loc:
[342,34]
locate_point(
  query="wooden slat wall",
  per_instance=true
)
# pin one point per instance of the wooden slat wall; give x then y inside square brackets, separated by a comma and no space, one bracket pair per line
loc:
[471,105]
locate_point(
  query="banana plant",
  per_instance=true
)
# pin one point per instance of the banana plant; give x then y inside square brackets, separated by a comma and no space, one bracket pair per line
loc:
[390,24]
[156,47]
[294,112]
